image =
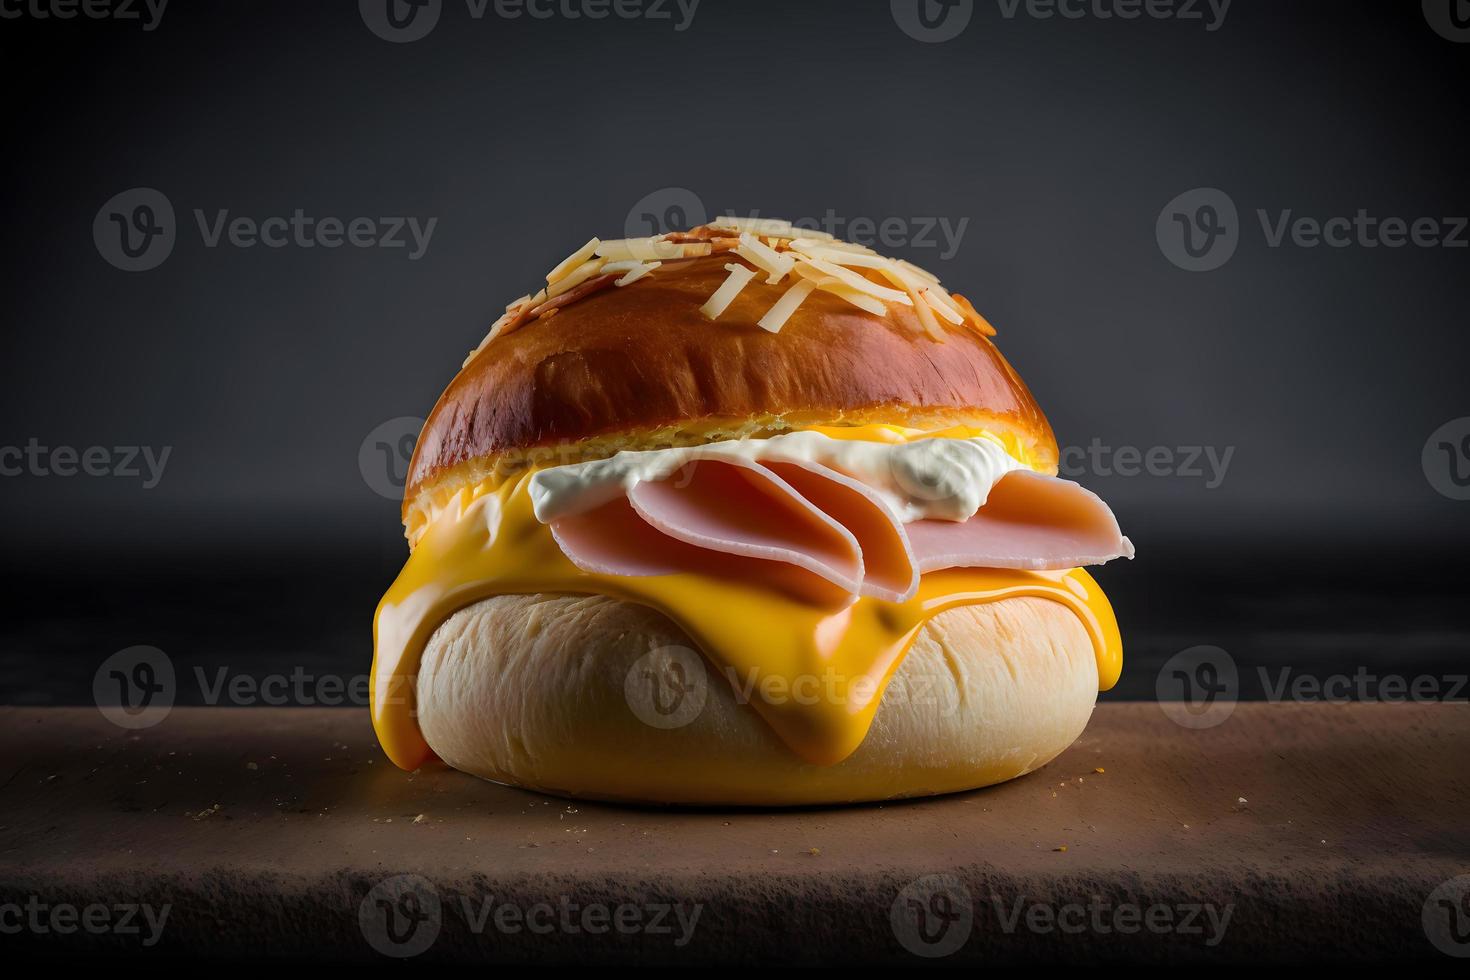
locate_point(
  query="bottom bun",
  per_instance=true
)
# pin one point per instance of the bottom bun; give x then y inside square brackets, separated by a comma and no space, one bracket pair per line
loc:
[593,697]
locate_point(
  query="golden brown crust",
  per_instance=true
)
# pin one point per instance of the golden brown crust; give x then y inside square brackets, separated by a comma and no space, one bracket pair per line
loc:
[642,358]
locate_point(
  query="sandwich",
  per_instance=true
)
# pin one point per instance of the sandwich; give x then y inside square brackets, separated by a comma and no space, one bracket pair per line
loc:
[742,515]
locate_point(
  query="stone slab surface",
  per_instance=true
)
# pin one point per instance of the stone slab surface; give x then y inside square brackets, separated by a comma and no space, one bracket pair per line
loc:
[1289,832]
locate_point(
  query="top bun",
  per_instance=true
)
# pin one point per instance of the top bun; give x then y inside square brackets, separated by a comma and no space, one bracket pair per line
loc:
[640,367]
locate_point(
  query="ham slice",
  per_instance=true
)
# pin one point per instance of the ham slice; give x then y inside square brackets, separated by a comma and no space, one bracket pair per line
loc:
[1030,521]
[614,540]
[890,571]
[743,508]
[812,531]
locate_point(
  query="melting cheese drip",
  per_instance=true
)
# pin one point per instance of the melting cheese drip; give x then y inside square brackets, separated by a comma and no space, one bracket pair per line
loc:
[492,544]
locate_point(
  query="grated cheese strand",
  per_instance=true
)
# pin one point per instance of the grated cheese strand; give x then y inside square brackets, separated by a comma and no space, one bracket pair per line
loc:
[806,242]
[638,272]
[740,277]
[778,314]
[640,249]
[576,277]
[571,262]
[860,283]
[921,305]
[775,264]
[862,260]
[775,248]
[841,290]
[921,273]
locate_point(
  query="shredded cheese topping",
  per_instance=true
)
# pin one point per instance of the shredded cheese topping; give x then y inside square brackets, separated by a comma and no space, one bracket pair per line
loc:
[772,248]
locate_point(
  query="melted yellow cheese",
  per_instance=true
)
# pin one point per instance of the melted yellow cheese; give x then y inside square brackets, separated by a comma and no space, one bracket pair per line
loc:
[492,544]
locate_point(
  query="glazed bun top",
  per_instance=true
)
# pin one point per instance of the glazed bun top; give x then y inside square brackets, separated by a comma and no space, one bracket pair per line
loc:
[600,367]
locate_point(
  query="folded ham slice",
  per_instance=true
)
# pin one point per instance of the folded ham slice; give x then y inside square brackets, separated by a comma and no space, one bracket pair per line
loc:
[889,569]
[819,532]
[1029,521]
[613,540]
[743,508]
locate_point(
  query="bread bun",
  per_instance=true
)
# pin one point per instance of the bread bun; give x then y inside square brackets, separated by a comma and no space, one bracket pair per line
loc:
[534,690]
[639,367]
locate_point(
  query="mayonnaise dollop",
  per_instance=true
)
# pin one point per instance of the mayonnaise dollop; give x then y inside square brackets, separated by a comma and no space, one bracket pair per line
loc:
[936,478]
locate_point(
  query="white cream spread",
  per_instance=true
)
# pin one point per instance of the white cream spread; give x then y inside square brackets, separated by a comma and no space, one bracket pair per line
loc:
[937,478]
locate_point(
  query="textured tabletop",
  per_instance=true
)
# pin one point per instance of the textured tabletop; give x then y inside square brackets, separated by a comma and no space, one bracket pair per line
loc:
[1288,830]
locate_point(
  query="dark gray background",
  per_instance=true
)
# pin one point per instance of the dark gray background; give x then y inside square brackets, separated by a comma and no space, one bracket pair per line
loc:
[1061,141]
